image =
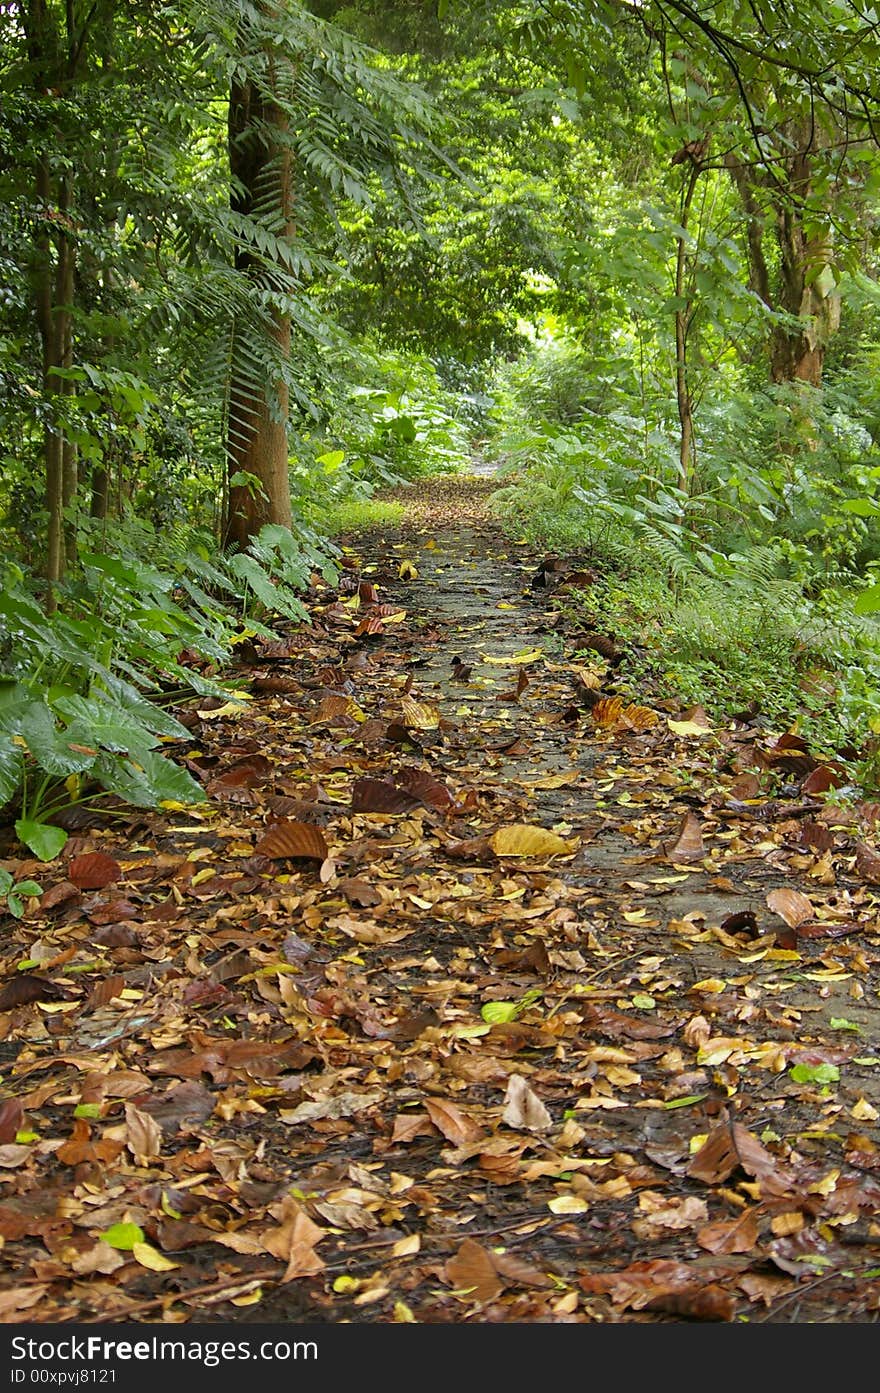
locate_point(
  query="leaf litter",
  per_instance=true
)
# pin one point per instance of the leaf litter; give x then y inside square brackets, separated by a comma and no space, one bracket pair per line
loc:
[484,988]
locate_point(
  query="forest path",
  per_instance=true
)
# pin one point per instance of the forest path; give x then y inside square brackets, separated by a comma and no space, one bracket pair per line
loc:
[350,1044]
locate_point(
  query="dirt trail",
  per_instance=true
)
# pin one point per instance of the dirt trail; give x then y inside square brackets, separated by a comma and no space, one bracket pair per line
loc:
[413,1072]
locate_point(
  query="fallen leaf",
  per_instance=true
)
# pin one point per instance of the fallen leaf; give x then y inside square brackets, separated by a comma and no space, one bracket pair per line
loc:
[472,1270]
[287,839]
[93,871]
[688,844]
[791,905]
[523,840]
[524,1110]
[455,1125]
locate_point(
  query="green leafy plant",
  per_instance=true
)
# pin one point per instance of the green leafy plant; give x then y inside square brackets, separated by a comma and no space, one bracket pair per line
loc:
[14,892]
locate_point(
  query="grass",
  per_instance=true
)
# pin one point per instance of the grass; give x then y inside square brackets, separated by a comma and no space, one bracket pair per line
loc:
[361,514]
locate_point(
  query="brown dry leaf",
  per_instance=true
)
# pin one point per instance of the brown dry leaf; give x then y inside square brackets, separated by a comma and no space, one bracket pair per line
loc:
[11,1115]
[17,1299]
[452,1122]
[524,1110]
[294,1240]
[522,840]
[93,871]
[424,787]
[791,905]
[737,1235]
[867,863]
[144,1139]
[377,796]
[287,839]
[638,717]
[472,1270]
[688,845]
[606,712]
[730,1145]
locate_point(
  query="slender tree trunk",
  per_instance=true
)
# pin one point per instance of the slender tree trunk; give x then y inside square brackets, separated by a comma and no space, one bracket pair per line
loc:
[260,165]
[683,314]
[54,273]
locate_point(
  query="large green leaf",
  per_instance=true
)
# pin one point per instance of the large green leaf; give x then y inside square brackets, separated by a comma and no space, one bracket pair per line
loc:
[148,780]
[44,840]
[95,721]
[49,746]
[11,763]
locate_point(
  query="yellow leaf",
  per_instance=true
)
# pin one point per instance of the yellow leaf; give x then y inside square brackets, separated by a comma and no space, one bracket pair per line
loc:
[404,1246]
[204,874]
[250,1299]
[418,715]
[864,1111]
[150,1257]
[229,708]
[523,840]
[407,571]
[790,1222]
[709,984]
[687,727]
[568,1204]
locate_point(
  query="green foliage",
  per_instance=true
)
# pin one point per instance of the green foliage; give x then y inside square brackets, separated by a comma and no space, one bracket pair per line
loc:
[14,892]
[84,695]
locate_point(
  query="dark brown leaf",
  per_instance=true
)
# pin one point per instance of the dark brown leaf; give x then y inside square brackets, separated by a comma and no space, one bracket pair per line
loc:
[294,840]
[377,796]
[93,871]
[424,787]
[25,988]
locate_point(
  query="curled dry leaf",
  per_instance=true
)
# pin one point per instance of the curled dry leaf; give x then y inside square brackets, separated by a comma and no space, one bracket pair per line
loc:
[791,905]
[688,844]
[522,840]
[455,1125]
[294,840]
[418,714]
[524,1110]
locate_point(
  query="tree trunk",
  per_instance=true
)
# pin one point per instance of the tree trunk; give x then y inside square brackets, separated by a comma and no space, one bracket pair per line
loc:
[683,313]
[260,165]
[53,296]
